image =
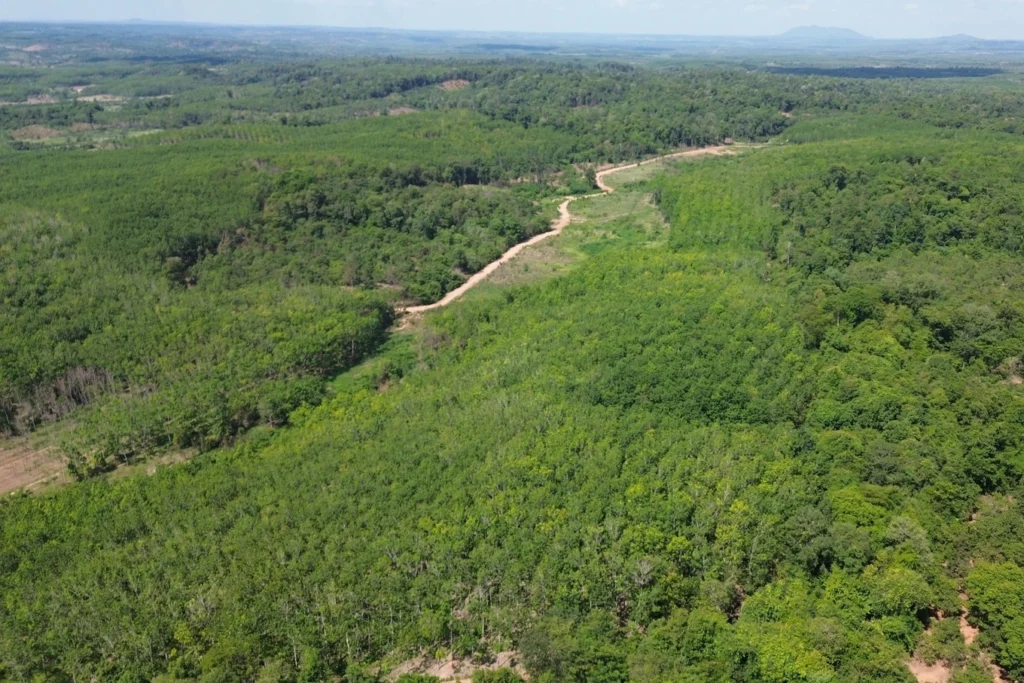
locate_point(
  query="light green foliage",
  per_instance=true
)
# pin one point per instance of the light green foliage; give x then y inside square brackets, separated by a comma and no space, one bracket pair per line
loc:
[899,591]
[997,593]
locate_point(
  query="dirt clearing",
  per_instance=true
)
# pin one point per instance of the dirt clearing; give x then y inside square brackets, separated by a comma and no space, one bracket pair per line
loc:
[104,98]
[25,467]
[456,670]
[454,84]
[35,133]
[924,673]
[42,99]
[540,263]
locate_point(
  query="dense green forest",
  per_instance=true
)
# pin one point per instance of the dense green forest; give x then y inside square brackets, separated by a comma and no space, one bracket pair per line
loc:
[778,440]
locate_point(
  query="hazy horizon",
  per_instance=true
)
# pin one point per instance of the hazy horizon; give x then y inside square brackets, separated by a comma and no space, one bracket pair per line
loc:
[990,19]
[539,32]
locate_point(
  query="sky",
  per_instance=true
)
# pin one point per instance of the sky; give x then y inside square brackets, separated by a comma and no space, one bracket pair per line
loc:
[878,18]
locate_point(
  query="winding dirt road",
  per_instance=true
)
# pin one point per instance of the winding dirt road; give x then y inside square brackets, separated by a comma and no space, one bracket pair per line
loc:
[557,226]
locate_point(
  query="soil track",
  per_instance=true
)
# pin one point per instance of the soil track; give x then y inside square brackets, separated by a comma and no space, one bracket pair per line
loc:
[557,226]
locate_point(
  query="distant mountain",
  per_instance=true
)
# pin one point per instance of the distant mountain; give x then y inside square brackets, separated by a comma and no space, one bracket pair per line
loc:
[823,34]
[961,39]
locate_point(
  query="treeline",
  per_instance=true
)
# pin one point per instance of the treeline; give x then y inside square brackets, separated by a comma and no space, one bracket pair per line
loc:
[615,111]
[62,116]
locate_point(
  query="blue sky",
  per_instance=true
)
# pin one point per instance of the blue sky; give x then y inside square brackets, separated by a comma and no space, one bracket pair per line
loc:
[880,18]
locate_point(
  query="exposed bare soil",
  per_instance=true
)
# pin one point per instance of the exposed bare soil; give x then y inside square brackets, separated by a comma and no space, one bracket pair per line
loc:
[24,467]
[35,133]
[454,84]
[455,670]
[936,673]
[109,99]
[42,99]
[969,632]
[401,111]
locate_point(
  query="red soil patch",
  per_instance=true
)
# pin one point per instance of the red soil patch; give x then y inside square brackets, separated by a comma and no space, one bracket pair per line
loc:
[939,672]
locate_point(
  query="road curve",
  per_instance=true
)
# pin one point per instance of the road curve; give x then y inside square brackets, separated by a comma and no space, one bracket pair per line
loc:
[557,226]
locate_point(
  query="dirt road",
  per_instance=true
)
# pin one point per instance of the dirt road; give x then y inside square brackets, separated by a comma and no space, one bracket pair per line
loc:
[557,226]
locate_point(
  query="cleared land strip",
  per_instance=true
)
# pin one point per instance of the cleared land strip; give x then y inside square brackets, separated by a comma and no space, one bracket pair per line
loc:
[557,226]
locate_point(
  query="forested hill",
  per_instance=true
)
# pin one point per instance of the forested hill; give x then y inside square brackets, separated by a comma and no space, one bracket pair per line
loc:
[775,437]
[774,449]
[171,192]
[189,267]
